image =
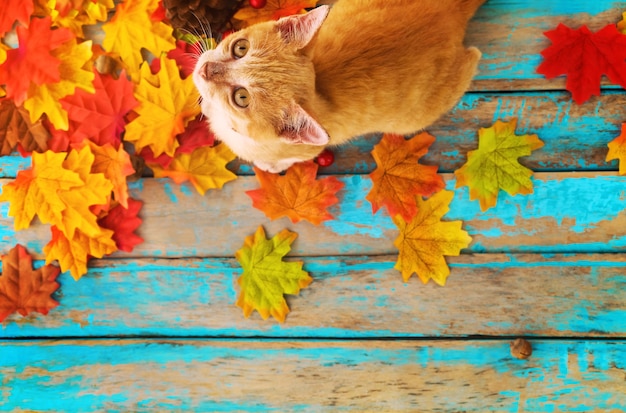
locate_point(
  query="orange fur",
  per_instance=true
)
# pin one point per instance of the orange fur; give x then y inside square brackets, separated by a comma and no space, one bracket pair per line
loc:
[373,66]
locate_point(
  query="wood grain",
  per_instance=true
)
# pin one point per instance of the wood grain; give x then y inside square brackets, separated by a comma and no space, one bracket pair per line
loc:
[578,295]
[311,376]
[568,212]
[575,136]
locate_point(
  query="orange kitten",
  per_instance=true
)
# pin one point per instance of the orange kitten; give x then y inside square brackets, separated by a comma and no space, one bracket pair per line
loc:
[278,92]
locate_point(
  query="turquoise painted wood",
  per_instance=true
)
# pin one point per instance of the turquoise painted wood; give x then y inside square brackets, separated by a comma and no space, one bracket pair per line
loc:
[158,330]
[351,297]
[566,213]
[311,376]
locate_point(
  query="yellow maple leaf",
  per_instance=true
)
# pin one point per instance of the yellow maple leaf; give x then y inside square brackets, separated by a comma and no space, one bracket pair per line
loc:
[266,277]
[494,165]
[75,70]
[425,240]
[37,191]
[166,104]
[131,29]
[96,191]
[617,150]
[115,165]
[621,26]
[205,168]
[273,10]
[73,254]
[59,190]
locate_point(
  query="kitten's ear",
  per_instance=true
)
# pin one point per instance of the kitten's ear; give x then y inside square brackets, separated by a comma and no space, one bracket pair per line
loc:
[300,128]
[299,29]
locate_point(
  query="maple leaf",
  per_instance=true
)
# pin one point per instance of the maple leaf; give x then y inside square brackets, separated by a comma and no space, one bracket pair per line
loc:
[266,277]
[124,222]
[73,254]
[398,176]
[115,165]
[205,168]
[132,29]
[33,60]
[75,72]
[186,56]
[297,194]
[166,104]
[16,129]
[273,10]
[23,289]
[584,57]
[494,165]
[425,240]
[97,116]
[15,10]
[59,191]
[617,150]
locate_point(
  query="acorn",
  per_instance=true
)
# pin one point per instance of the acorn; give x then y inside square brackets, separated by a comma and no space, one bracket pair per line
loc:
[521,349]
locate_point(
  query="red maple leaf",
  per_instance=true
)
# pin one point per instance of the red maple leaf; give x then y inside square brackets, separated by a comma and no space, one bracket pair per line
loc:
[23,289]
[32,60]
[15,10]
[196,135]
[185,55]
[97,116]
[123,222]
[584,57]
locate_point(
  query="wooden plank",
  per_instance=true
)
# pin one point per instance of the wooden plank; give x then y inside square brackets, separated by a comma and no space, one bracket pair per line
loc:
[568,212]
[578,295]
[359,376]
[510,35]
[575,136]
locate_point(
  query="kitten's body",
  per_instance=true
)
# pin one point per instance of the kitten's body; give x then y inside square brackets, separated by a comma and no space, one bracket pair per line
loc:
[373,66]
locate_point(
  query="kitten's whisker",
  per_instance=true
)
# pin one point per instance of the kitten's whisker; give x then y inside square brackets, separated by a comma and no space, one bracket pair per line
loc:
[208,35]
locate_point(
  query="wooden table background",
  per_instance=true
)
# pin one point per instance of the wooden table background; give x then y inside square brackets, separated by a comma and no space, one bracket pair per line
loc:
[158,330]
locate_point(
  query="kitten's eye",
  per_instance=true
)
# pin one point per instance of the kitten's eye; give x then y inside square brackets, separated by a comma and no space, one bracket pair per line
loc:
[241,97]
[240,48]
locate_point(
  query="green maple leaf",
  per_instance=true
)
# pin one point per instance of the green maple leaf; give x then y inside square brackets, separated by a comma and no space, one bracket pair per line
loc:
[266,277]
[494,165]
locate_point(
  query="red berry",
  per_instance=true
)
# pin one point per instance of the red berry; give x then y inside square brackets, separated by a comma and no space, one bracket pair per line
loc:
[326,158]
[258,4]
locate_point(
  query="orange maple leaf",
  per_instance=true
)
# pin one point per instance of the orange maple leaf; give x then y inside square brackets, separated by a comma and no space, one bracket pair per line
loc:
[266,277]
[297,194]
[399,178]
[23,289]
[617,150]
[205,168]
[273,10]
[32,61]
[115,165]
[425,240]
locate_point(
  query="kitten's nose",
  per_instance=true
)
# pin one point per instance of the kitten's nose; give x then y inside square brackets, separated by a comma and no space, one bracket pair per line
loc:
[211,69]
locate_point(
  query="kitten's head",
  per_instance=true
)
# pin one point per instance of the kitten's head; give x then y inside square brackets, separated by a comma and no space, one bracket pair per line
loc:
[255,81]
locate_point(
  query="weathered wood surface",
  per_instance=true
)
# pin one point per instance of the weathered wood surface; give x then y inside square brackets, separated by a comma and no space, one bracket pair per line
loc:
[351,297]
[311,376]
[548,266]
[568,212]
[575,136]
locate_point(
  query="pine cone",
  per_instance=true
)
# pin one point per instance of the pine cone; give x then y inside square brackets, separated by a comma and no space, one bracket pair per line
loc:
[198,16]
